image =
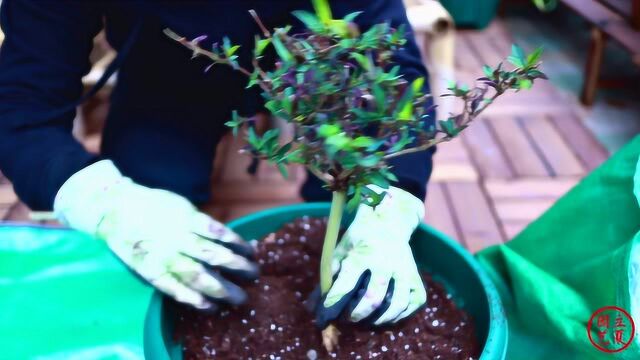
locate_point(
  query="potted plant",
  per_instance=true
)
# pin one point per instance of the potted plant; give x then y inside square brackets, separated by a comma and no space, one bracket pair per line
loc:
[350,109]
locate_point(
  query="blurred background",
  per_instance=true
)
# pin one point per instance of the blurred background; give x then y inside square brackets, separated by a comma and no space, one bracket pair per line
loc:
[526,152]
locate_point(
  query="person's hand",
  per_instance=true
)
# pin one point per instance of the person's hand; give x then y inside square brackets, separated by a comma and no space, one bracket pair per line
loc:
[377,278]
[159,234]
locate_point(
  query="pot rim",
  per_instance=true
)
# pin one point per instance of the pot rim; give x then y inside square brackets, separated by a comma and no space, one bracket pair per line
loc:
[497,333]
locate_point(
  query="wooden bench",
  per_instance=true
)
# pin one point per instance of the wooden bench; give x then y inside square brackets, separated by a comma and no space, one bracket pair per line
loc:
[607,23]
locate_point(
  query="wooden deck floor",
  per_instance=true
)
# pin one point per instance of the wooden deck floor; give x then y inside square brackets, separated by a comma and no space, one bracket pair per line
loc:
[526,152]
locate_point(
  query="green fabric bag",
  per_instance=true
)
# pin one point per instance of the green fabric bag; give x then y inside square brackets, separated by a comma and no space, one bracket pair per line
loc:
[63,295]
[581,255]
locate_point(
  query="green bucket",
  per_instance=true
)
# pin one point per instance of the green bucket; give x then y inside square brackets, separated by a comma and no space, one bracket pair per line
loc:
[476,14]
[434,251]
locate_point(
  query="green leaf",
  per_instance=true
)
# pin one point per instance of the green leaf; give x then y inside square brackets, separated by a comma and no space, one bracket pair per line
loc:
[417,85]
[518,52]
[311,21]
[405,140]
[534,57]
[261,45]
[373,198]
[536,74]
[234,123]
[282,152]
[326,130]
[389,175]
[363,60]
[269,141]
[352,16]
[294,157]
[253,139]
[362,142]
[546,5]
[323,10]
[378,94]
[488,71]
[348,160]
[448,126]
[369,161]
[517,57]
[273,106]
[287,105]
[229,50]
[355,200]
[378,179]
[376,144]
[283,170]
[232,50]
[525,84]
[339,27]
[337,142]
[282,50]
[405,106]
[347,43]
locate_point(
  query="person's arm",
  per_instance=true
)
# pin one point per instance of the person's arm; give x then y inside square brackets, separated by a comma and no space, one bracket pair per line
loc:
[42,60]
[413,170]
[159,234]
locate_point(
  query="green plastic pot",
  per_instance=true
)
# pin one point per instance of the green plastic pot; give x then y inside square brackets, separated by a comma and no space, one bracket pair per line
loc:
[435,252]
[476,14]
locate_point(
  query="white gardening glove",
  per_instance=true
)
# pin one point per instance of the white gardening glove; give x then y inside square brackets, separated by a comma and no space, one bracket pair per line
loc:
[377,278]
[157,233]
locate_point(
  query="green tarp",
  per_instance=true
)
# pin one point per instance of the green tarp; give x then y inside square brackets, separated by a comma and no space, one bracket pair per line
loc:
[581,255]
[64,296]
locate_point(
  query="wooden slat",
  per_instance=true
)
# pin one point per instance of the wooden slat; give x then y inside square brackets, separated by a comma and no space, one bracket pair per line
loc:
[551,144]
[581,140]
[486,152]
[473,215]
[529,188]
[466,59]
[484,49]
[499,37]
[517,147]
[452,162]
[468,63]
[254,190]
[522,209]
[438,211]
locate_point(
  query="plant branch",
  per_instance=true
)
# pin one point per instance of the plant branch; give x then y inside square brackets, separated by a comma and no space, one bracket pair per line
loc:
[197,50]
[255,17]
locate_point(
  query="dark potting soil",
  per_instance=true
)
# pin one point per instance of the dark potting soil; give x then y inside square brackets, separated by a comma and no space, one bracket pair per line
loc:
[276,325]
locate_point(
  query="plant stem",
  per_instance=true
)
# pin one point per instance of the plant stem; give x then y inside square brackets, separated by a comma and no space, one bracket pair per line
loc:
[338,200]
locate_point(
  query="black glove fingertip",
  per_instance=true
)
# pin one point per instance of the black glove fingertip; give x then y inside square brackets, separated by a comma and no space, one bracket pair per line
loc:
[325,315]
[384,306]
[234,294]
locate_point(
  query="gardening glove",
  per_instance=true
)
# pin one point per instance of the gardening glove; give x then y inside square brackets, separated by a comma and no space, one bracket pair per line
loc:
[377,278]
[157,233]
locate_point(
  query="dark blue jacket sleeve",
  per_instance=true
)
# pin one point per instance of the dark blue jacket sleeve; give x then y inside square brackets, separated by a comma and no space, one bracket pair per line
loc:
[42,60]
[413,170]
